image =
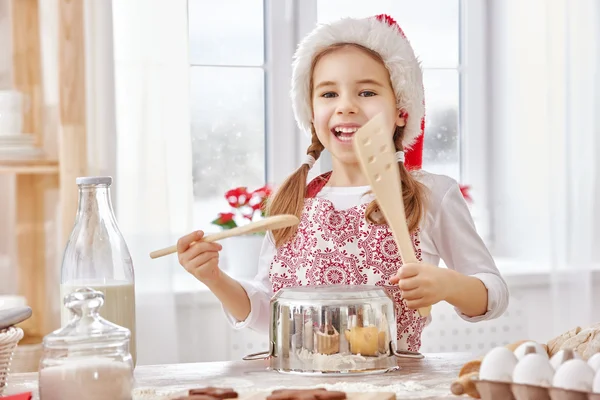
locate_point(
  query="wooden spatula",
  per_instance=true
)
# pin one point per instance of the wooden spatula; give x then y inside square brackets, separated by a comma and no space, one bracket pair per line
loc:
[375,150]
[267,224]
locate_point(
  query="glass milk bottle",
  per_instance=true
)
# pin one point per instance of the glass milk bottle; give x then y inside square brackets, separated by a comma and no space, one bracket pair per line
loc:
[96,256]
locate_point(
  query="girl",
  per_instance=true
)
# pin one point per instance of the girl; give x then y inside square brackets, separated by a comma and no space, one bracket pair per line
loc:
[344,74]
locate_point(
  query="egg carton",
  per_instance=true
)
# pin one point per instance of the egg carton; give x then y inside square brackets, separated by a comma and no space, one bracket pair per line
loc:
[564,376]
[494,390]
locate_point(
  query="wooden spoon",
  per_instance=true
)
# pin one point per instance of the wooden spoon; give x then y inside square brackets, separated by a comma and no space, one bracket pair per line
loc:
[375,149]
[267,224]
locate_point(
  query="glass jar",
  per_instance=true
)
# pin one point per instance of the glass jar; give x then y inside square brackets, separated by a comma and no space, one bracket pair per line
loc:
[89,358]
[97,256]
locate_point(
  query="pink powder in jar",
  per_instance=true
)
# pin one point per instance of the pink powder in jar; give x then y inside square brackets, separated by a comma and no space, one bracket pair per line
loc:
[87,379]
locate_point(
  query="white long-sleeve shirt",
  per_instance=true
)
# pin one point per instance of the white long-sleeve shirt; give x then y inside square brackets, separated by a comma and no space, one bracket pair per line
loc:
[447,232]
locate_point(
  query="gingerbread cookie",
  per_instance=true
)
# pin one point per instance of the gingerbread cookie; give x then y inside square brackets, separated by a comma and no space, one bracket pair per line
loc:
[210,393]
[306,394]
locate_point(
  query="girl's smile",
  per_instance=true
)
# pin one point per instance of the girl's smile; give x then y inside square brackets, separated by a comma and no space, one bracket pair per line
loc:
[344,132]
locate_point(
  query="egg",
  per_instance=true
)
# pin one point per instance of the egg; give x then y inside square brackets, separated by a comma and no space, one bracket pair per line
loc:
[594,362]
[574,374]
[563,356]
[533,369]
[522,349]
[498,365]
[596,387]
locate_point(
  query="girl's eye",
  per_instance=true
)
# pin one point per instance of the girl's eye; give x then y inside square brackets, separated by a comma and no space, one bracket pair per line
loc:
[367,93]
[329,94]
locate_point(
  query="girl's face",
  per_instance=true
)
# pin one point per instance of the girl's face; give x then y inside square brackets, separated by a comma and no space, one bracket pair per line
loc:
[349,88]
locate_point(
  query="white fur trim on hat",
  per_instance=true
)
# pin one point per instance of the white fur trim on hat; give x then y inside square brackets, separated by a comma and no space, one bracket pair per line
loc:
[389,42]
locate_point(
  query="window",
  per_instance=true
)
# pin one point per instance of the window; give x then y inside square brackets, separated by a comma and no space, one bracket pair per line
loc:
[227,79]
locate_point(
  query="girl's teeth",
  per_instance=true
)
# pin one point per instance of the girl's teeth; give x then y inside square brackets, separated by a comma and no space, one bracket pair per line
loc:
[345,134]
[346,130]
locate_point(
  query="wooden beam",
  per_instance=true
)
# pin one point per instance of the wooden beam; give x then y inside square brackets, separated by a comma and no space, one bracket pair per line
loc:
[30,219]
[31,246]
[29,169]
[72,142]
[27,62]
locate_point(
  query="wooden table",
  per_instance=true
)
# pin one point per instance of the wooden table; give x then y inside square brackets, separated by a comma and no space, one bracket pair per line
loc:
[428,378]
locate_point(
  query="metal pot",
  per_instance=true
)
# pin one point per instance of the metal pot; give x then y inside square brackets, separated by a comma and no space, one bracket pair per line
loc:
[336,329]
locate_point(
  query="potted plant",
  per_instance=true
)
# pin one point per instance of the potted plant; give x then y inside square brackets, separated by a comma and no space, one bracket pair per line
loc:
[241,253]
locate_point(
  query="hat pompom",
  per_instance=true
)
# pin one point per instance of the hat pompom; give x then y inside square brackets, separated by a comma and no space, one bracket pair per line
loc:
[391,22]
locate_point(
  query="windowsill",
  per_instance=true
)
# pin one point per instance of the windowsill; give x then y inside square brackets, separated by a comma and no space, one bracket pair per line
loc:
[518,274]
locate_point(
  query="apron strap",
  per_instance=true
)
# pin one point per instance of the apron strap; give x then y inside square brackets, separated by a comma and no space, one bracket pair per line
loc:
[318,183]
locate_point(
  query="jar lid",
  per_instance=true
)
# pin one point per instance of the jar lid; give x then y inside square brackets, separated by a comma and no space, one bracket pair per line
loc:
[332,292]
[87,330]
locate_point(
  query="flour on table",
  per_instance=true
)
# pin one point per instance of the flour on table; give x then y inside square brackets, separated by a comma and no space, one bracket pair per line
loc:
[332,362]
[415,389]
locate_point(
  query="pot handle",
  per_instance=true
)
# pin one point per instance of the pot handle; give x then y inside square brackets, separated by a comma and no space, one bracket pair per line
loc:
[405,353]
[263,355]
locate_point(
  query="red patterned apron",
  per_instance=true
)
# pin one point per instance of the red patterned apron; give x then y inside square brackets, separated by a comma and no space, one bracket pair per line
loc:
[340,247]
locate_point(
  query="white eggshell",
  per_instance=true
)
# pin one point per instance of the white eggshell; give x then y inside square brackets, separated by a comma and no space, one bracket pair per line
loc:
[520,351]
[498,365]
[558,358]
[574,375]
[533,369]
[594,362]
[596,387]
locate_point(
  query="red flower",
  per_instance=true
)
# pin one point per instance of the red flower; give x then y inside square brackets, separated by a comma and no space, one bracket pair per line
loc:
[259,197]
[245,204]
[225,220]
[225,217]
[464,189]
[262,192]
[237,197]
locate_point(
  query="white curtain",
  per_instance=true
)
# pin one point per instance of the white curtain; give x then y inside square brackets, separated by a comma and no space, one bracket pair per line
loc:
[544,122]
[575,61]
[153,174]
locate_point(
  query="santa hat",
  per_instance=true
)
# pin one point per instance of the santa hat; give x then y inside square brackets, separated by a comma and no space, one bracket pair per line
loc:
[382,35]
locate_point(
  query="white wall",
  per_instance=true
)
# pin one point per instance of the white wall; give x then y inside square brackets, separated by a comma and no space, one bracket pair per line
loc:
[7,278]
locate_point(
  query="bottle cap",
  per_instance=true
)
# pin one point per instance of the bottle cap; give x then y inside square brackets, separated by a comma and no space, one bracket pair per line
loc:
[94,180]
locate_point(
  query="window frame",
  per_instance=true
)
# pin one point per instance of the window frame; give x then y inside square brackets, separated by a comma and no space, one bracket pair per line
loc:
[475,153]
[284,142]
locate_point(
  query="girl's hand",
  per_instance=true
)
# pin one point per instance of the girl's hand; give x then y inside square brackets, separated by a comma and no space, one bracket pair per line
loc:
[422,284]
[199,258]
